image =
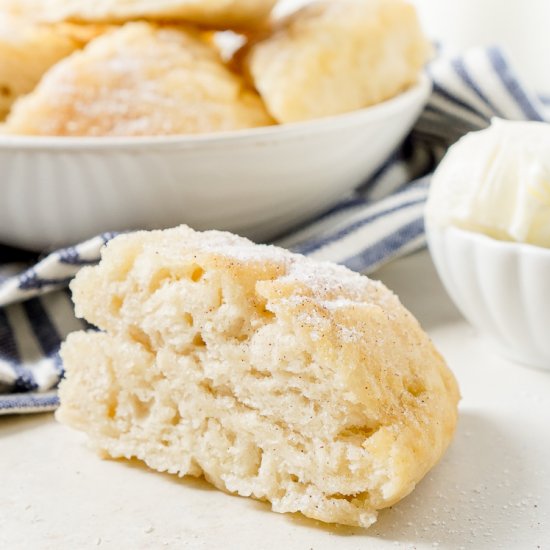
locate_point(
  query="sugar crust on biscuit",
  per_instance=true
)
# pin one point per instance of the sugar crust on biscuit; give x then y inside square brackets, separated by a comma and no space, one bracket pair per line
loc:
[271,375]
[210,13]
[336,56]
[139,80]
[29,49]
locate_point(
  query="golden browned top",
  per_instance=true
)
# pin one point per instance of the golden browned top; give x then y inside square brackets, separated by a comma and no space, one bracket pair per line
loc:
[211,13]
[332,57]
[140,79]
[29,49]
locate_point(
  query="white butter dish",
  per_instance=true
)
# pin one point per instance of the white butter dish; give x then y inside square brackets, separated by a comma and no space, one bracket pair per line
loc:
[502,288]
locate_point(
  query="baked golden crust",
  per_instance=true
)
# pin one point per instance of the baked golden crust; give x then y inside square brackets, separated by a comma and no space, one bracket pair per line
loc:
[139,80]
[28,50]
[274,376]
[335,56]
[211,13]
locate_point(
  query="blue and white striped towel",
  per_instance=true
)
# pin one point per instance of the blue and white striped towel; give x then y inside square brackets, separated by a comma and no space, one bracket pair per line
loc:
[381,221]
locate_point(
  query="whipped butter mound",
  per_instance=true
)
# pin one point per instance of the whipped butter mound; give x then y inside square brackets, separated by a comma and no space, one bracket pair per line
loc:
[496,182]
[271,375]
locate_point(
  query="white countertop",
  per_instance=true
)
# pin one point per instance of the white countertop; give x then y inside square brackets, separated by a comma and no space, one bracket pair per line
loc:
[491,490]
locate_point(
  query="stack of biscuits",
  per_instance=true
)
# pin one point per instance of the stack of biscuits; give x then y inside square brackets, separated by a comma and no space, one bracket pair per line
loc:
[145,68]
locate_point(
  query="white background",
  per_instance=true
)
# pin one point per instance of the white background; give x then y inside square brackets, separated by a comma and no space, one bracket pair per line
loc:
[521,27]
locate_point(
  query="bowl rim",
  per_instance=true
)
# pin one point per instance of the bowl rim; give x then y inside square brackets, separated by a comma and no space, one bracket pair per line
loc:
[487,240]
[417,94]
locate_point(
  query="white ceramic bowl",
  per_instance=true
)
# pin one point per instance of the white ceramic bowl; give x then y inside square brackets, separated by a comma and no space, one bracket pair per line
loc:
[502,288]
[57,191]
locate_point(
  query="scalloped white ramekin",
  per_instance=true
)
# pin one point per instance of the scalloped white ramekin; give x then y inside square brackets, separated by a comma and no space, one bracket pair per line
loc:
[257,182]
[502,288]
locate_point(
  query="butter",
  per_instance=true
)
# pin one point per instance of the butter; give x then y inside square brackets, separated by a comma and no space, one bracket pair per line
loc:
[496,182]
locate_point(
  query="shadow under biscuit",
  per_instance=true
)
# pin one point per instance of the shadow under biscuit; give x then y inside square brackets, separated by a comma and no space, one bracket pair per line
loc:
[463,500]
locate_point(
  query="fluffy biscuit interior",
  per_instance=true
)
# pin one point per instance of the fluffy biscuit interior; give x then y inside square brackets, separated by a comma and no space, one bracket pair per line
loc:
[275,377]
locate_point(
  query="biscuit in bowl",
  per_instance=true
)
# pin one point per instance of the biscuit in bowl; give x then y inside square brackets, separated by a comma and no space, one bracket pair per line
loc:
[273,376]
[210,13]
[28,50]
[139,80]
[336,56]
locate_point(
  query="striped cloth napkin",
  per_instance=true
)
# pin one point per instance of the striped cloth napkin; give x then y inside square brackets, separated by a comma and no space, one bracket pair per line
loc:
[382,220]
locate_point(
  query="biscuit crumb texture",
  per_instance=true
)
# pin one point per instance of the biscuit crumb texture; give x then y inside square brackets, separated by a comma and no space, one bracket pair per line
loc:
[139,80]
[337,56]
[271,375]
